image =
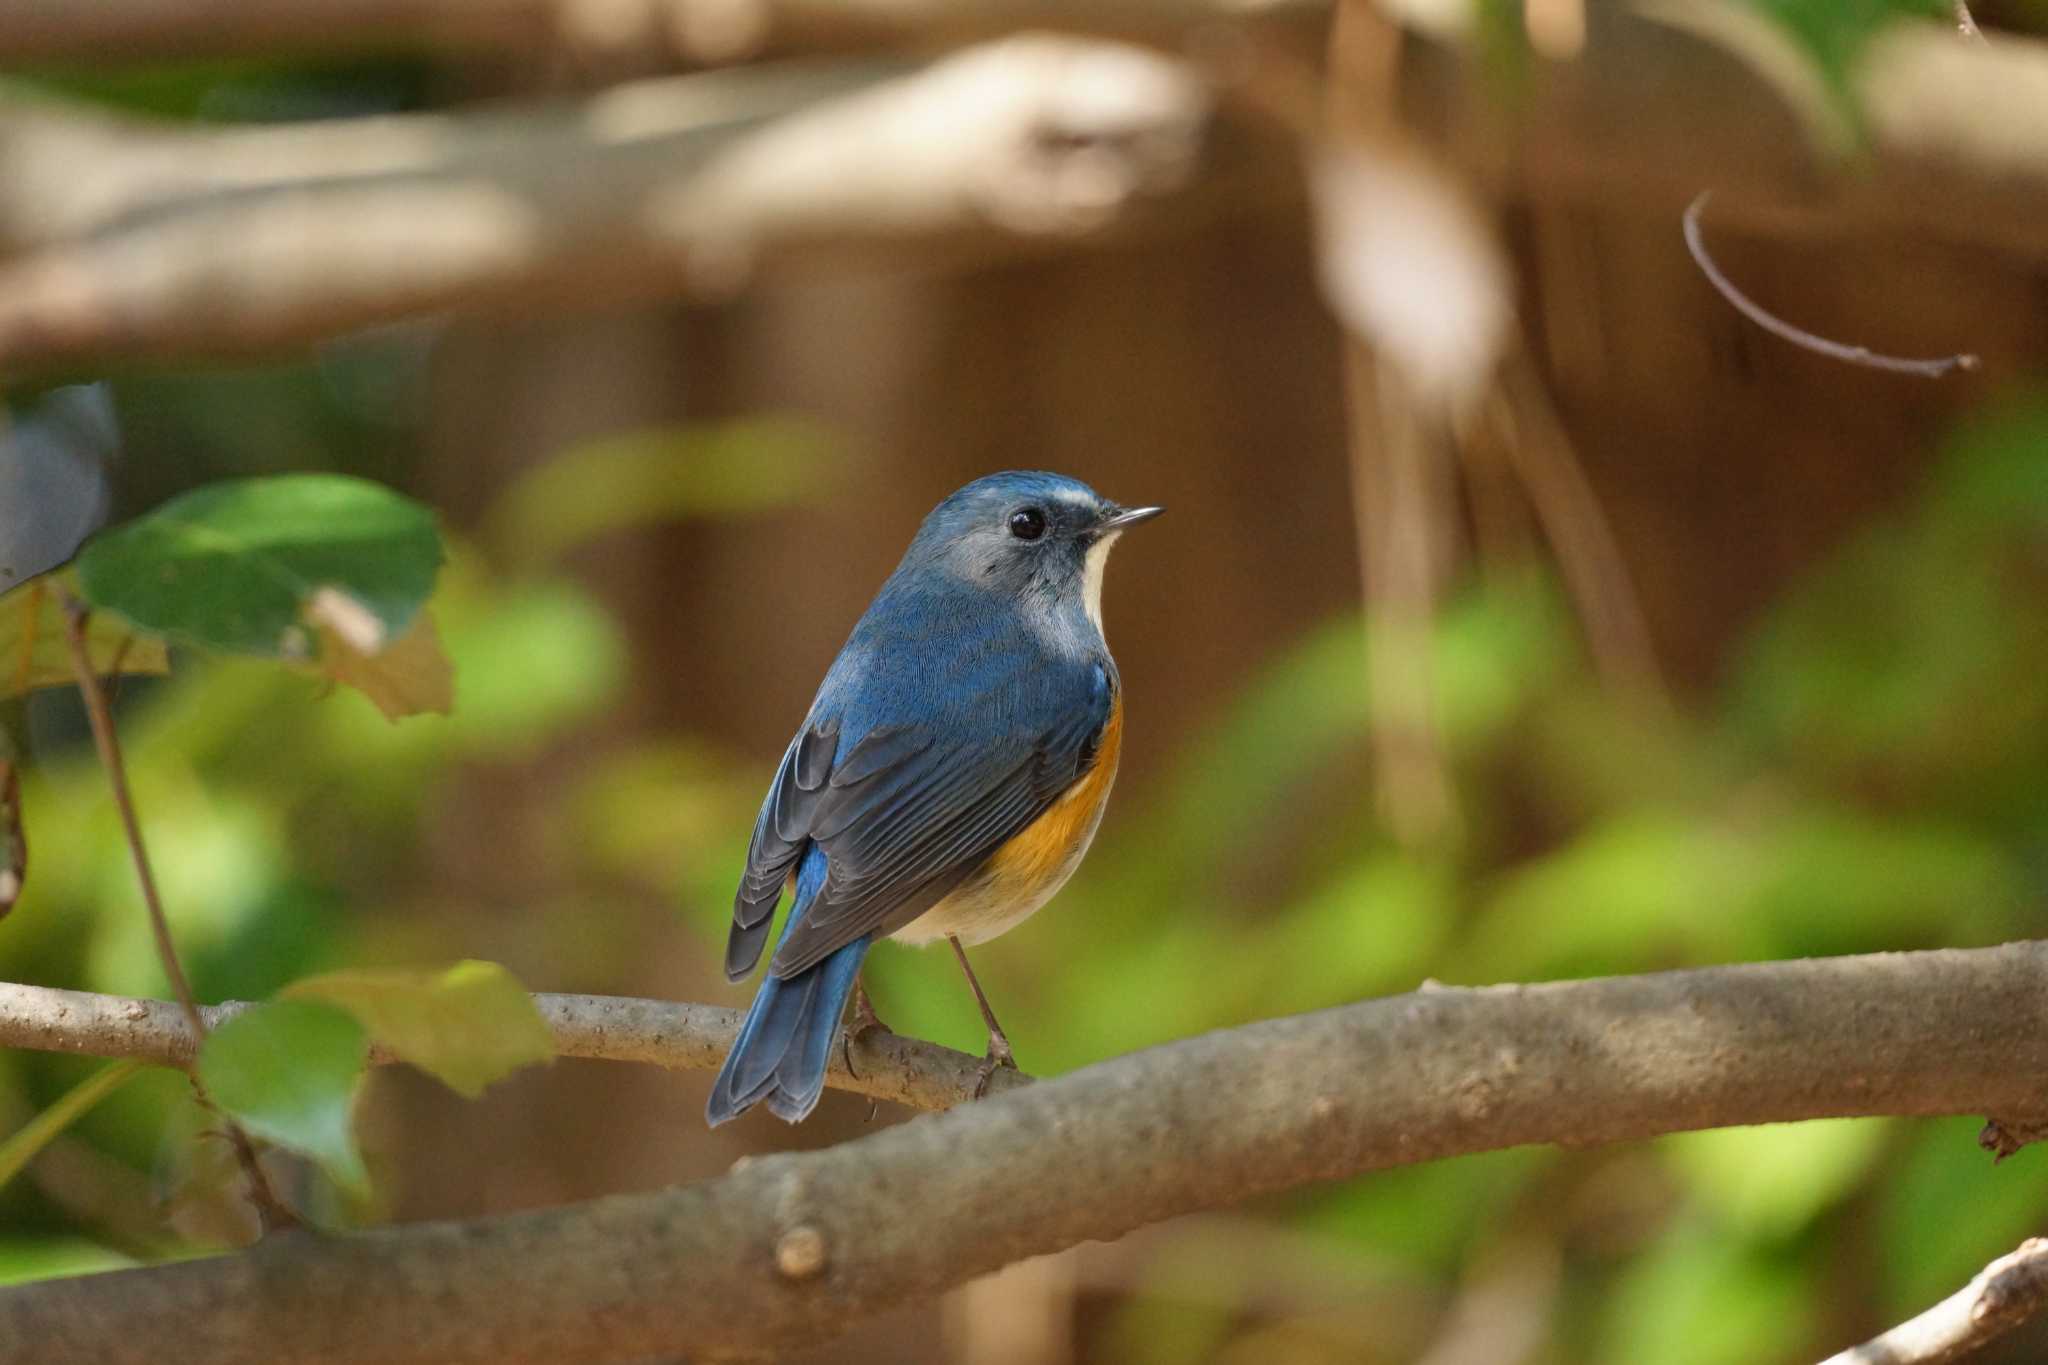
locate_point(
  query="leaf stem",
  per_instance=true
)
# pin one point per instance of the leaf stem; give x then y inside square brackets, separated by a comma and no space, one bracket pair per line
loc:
[76,615]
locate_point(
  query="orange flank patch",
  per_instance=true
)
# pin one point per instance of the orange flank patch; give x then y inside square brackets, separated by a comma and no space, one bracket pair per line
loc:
[1041,851]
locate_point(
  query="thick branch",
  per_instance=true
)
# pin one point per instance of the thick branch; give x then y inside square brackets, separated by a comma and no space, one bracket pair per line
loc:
[126,239]
[793,1248]
[2003,1295]
[679,1036]
[644,31]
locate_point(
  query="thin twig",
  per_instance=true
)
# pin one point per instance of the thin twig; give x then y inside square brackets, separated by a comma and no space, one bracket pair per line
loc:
[76,615]
[1539,450]
[2003,1295]
[1799,336]
[670,1034]
[102,721]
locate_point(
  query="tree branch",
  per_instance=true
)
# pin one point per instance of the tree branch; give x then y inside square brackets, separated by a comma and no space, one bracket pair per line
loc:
[2003,1295]
[657,30]
[793,1248]
[121,238]
[662,1033]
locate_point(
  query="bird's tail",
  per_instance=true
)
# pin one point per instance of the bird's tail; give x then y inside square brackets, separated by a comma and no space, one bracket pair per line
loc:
[785,1045]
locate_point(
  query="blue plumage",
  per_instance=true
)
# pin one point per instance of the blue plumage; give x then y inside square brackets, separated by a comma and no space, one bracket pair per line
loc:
[969,699]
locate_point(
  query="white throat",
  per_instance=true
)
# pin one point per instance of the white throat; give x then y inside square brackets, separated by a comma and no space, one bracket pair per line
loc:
[1091,578]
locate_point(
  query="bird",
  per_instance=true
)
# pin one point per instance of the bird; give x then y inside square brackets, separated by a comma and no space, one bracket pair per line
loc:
[946,781]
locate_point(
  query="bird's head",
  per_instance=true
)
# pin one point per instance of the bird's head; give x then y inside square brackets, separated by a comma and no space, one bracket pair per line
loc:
[1028,533]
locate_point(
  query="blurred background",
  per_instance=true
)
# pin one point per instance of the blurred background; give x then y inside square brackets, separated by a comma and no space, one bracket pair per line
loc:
[1748,665]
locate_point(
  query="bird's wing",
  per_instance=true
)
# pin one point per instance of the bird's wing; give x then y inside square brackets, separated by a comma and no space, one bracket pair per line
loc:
[781,834]
[903,817]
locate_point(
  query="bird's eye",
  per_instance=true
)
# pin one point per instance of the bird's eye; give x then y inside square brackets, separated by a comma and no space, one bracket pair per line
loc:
[1027,523]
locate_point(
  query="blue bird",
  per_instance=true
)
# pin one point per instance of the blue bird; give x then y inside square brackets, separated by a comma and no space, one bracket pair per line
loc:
[948,779]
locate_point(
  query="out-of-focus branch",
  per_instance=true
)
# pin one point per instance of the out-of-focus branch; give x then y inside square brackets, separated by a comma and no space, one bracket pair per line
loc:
[644,31]
[796,1247]
[2003,1295]
[124,240]
[1958,134]
[682,1037]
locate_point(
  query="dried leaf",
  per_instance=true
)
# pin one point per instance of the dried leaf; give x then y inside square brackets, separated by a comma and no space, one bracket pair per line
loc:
[407,677]
[34,652]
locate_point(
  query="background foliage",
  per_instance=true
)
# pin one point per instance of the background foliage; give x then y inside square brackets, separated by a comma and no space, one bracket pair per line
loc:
[1854,762]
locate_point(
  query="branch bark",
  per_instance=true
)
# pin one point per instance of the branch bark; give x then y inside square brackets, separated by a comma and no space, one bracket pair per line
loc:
[121,241]
[644,30]
[794,1248]
[127,239]
[681,1037]
[2003,1295]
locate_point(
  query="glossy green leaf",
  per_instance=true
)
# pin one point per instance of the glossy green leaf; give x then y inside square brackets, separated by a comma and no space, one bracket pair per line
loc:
[258,566]
[469,1025]
[20,1149]
[288,1071]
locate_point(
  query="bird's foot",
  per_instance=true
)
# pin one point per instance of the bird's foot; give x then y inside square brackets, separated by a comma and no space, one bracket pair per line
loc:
[861,1020]
[999,1057]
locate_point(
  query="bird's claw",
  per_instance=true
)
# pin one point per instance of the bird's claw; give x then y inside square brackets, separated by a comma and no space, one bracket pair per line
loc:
[860,1022]
[999,1058]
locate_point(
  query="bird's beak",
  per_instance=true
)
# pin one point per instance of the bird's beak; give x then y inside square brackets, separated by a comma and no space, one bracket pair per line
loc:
[1125,517]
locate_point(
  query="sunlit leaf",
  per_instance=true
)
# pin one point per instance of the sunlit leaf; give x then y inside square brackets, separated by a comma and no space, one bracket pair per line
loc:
[20,1149]
[533,660]
[407,677]
[288,1071]
[23,1260]
[258,566]
[1770,1181]
[1698,1299]
[642,478]
[469,1025]
[35,652]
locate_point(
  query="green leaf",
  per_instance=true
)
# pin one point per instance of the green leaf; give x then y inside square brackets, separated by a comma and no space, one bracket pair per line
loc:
[468,1026]
[1947,1208]
[288,1071]
[34,650]
[640,478]
[38,1132]
[1698,1299]
[258,566]
[24,1259]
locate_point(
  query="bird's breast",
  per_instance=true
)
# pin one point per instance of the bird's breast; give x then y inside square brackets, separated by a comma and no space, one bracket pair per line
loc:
[1028,870]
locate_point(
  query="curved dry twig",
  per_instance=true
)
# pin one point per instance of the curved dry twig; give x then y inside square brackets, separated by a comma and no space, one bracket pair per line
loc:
[1799,336]
[796,1247]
